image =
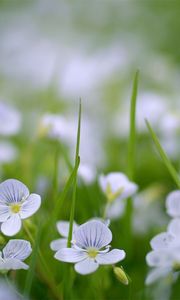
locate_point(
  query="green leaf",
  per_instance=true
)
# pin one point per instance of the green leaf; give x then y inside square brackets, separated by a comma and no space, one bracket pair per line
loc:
[163,155]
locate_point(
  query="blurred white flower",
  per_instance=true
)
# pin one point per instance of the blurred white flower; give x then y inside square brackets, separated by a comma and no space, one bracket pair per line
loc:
[165,254]
[147,213]
[90,248]
[13,255]
[116,187]
[8,292]
[173,204]
[10,120]
[87,173]
[64,129]
[8,152]
[16,203]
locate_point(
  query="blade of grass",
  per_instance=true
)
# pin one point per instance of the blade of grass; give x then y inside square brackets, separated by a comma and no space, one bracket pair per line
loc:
[163,155]
[132,132]
[131,162]
[77,158]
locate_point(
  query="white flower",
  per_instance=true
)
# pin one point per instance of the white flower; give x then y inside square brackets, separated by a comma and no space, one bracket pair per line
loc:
[90,248]
[173,204]
[116,187]
[8,292]
[8,152]
[63,229]
[10,120]
[16,203]
[87,173]
[13,255]
[165,256]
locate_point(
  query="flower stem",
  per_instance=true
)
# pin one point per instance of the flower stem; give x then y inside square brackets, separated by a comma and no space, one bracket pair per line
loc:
[75,180]
[47,276]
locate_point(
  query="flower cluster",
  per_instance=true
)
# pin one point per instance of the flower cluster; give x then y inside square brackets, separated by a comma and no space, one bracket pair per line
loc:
[16,204]
[165,254]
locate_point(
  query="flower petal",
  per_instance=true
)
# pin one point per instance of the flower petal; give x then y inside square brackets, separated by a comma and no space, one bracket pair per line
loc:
[160,258]
[162,241]
[30,206]
[12,190]
[116,209]
[19,249]
[4,212]
[13,264]
[173,204]
[70,255]
[12,225]
[58,244]
[93,234]
[86,266]
[111,257]
[63,227]
[174,227]
[156,274]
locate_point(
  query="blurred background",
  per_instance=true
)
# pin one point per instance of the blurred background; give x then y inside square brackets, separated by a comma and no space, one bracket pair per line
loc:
[54,52]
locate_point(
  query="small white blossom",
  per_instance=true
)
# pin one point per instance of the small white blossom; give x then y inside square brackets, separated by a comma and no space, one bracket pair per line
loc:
[13,255]
[173,204]
[16,203]
[8,152]
[87,173]
[63,229]
[10,120]
[90,248]
[165,254]
[116,186]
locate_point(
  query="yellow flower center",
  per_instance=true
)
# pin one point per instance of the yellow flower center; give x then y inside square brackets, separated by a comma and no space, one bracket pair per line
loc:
[112,196]
[15,208]
[92,253]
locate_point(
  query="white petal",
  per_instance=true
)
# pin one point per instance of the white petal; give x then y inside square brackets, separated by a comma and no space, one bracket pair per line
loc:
[63,227]
[70,255]
[58,244]
[162,241]
[4,212]
[116,209]
[30,206]
[111,257]
[156,274]
[93,234]
[173,204]
[160,258]
[12,225]
[13,264]
[118,181]
[12,190]
[86,266]
[19,249]
[174,227]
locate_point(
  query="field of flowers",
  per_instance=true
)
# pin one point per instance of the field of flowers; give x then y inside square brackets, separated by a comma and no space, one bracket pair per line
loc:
[89,150]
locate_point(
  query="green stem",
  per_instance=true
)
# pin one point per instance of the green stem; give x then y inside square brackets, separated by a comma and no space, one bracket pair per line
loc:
[75,180]
[47,275]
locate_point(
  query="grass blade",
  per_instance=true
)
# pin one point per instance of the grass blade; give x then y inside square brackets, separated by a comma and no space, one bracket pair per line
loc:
[132,132]
[75,179]
[163,155]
